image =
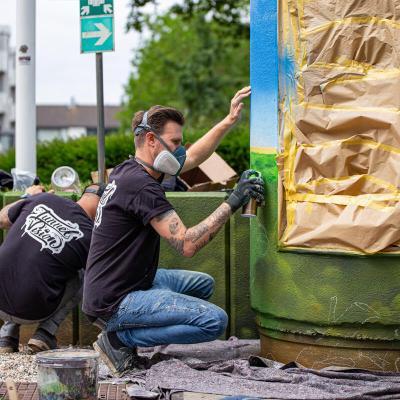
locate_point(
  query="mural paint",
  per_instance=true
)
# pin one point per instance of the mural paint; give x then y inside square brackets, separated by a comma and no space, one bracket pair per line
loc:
[316,308]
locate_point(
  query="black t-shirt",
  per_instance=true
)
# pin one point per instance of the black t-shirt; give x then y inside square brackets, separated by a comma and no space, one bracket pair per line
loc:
[44,248]
[125,248]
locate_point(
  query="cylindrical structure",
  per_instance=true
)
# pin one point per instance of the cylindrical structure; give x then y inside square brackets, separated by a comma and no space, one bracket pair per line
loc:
[67,374]
[25,112]
[323,292]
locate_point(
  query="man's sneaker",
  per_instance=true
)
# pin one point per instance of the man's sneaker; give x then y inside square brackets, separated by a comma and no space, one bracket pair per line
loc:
[8,345]
[121,360]
[41,341]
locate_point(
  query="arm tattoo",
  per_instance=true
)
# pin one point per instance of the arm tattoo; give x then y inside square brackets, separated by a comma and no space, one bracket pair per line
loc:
[5,222]
[197,232]
[177,244]
[219,217]
[204,232]
[174,226]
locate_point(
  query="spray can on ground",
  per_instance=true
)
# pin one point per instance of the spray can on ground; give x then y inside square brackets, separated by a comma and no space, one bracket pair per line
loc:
[249,210]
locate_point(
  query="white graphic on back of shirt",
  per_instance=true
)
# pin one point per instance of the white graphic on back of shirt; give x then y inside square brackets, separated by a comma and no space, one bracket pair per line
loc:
[51,231]
[108,192]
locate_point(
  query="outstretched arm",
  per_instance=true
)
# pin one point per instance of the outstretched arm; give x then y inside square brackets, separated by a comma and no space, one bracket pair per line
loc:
[188,241]
[206,145]
[5,222]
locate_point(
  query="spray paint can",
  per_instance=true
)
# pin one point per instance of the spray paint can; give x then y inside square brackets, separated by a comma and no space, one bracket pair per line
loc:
[249,210]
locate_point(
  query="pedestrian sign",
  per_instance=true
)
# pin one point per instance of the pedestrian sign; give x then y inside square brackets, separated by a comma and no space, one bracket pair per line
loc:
[97,25]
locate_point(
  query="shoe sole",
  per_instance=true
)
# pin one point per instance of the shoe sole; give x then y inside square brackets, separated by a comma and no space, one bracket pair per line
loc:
[36,346]
[106,360]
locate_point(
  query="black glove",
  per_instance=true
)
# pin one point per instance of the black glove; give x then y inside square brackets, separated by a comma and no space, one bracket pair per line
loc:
[247,187]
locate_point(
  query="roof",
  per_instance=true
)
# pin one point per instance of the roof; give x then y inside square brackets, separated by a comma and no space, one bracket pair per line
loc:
[75,116]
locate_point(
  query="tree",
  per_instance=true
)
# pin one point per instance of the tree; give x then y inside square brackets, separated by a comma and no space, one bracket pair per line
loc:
[227,13]
[192,64]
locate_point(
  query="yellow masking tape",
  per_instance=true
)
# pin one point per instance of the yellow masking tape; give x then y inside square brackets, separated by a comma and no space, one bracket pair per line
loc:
[323,181]
[352,21]
[362,200]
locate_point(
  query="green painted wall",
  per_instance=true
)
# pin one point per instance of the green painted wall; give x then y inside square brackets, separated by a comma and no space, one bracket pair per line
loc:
[340,297]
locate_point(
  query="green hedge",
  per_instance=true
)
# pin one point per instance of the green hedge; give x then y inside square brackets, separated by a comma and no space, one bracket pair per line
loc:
[81,154]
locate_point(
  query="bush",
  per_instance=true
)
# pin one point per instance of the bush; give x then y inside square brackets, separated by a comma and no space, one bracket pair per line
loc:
[81,154]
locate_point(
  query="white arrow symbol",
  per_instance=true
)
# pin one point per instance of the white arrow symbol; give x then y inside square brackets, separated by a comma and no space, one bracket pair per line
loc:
[85,10]
[103,34]
[108,8]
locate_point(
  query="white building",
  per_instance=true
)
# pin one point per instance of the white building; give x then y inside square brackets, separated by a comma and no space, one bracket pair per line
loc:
[53,122]
[7,89]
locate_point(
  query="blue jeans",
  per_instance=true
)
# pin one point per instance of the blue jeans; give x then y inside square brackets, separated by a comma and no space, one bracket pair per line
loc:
[173,311]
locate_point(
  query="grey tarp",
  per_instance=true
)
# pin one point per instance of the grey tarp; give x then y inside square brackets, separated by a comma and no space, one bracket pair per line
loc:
[240,378]
[226,368]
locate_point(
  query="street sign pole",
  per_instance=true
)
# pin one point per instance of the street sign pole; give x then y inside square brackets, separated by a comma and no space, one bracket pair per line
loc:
[97,36]
[100,118]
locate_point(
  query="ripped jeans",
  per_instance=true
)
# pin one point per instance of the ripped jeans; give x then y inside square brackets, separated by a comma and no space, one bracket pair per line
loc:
[173,311]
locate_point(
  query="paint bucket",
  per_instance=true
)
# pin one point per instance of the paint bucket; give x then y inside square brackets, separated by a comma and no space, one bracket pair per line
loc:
[67,374]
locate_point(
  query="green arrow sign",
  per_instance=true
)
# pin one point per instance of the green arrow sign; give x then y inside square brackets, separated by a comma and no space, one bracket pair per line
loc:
[96,7]
[97,26]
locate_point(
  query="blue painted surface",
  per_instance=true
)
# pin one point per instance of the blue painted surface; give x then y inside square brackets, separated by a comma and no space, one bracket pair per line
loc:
[264,73]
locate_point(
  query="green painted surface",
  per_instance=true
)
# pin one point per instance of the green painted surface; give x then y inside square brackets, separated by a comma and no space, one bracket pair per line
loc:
[212,258]
[319,294]
[242,316]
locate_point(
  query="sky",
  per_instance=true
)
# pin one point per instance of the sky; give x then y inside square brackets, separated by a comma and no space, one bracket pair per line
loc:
[62,72]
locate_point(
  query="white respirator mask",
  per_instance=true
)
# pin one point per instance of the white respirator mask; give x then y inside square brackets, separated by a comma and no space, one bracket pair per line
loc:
[167,162]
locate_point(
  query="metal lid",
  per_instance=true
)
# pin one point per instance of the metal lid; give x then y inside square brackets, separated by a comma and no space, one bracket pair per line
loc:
[67,358]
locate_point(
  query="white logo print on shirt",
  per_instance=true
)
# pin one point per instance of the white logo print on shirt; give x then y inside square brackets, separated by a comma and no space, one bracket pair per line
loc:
[108,192]
[51,231]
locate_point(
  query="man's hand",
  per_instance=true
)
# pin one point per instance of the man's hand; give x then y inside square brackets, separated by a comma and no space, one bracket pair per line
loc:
[247,187]
[35,189]
[237,105]
[206,145]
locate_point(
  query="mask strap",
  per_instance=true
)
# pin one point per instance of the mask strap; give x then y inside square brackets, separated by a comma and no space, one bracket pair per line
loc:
[161,140]
[143,126]
[145,164]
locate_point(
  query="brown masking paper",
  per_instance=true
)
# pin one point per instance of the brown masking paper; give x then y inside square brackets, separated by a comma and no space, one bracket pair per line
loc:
[339,159]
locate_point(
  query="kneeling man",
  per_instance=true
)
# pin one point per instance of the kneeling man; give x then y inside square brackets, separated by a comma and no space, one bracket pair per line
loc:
[125,293]
[41,263]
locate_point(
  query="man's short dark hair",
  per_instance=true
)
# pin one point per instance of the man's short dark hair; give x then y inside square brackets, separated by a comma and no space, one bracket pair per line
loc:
[157,118]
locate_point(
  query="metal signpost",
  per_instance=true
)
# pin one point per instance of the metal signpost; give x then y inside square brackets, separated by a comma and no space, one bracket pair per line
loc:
[97,36]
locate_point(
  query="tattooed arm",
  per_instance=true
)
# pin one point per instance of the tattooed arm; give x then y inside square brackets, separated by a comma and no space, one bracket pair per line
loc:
[188,241]
[5,222]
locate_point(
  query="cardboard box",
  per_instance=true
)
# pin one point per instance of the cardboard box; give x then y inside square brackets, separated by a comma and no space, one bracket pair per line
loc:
[95,175]
[212,175]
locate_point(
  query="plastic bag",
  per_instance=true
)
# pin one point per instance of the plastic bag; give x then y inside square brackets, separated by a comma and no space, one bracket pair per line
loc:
[22,179]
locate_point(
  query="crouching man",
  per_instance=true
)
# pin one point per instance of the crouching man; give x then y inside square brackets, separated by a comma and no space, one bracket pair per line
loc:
[41,263]
[124,293]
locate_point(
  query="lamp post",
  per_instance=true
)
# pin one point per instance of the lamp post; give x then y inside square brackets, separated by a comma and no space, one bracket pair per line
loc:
[25,117]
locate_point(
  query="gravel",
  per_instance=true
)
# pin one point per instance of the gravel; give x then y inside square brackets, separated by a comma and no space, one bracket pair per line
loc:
[20,367]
